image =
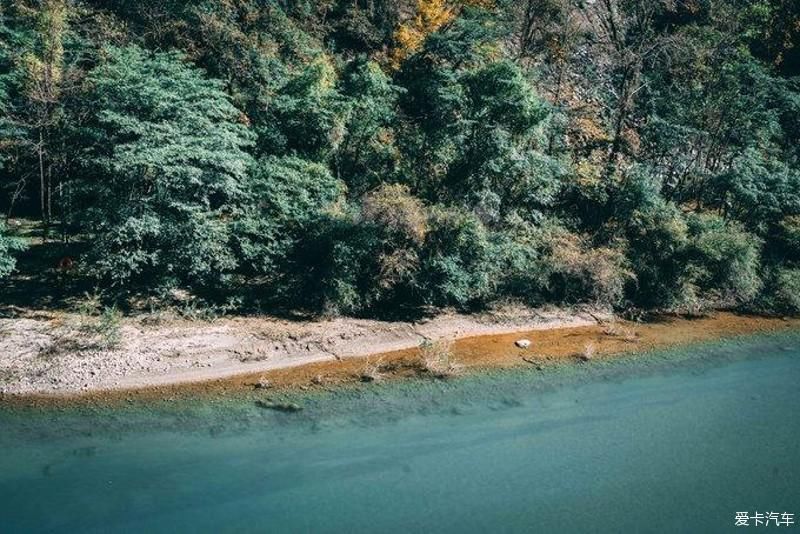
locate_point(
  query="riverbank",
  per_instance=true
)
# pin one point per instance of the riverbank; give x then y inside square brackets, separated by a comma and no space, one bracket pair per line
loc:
[68,354]
[42,360]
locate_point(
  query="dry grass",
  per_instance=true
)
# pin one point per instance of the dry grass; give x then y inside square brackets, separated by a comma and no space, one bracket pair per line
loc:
[588,352]
[602,269]
[394,207]
[101,332]
[372,370]
[5,331]
[622,332]
[7,376]
[437,359]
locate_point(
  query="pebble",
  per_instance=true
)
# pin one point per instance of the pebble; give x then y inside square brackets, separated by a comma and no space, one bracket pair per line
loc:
[523,343]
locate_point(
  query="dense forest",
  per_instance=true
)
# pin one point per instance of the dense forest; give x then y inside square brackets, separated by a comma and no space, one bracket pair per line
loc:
[379,156]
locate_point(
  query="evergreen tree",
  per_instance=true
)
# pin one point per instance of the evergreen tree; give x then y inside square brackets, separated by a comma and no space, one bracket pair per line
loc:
[368,153]
[164,170]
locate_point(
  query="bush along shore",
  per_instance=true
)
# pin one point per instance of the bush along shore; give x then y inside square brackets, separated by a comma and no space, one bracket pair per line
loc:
[375,159]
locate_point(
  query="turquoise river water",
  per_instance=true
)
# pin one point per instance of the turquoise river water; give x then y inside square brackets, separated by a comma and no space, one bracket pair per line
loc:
[673,441]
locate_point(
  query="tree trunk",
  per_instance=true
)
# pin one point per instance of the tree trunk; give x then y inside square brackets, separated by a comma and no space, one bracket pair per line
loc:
[42,186]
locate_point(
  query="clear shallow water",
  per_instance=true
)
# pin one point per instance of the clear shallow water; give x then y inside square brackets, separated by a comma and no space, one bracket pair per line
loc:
[673,441]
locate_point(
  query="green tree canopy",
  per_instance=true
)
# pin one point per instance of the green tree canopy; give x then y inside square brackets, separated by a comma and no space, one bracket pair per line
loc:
[164,168]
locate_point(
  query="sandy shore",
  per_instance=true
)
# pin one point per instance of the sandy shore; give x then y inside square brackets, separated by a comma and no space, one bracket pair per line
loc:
[64,355]
[42,363]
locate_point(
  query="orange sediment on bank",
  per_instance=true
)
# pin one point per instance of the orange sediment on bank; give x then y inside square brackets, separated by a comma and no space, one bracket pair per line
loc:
[472,354]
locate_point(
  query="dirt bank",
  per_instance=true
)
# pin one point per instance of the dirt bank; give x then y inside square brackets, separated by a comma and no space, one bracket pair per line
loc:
[61,354]
[163,362]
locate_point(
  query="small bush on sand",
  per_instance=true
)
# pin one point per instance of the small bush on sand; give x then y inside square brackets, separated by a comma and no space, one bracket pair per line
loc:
[93,333]
[622,332]
[90,305]
[372,370]
[199,310]
[589,351]
[107,328]
[318,380]
[436,358]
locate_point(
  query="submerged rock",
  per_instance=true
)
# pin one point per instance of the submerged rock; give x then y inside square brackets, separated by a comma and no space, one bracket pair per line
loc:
[287,407]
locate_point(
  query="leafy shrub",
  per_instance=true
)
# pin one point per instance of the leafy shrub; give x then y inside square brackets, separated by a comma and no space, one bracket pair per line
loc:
[286,196]
[689,263]
[334,268]
[757,190]
[495,161]
[519,261]
[456,265]
[658,236]
[788,237]
[368,256]
[549,262]
[682,262]
[787,290]
[306,115]
[725,260]
[8,246]
[367,154]
[350,264]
